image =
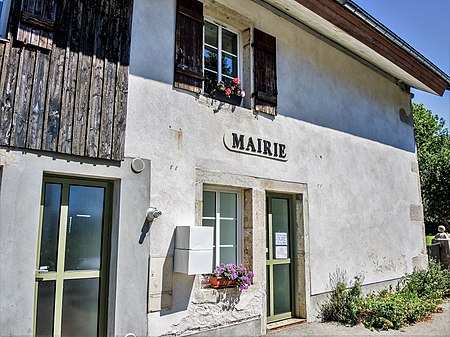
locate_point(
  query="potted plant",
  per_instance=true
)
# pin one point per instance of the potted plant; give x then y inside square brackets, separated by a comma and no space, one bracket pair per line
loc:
[231,275]
[231,94]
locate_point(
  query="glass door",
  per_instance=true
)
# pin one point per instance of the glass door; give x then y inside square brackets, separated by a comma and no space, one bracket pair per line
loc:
[72,261]
[278,254]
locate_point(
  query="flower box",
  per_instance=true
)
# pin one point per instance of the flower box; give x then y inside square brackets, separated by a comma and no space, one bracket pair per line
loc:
[220,282]
[233,99]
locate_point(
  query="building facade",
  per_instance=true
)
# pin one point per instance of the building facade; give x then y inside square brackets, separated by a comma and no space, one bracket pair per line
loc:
[106,111]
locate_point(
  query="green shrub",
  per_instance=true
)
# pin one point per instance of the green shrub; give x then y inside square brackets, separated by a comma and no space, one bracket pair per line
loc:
[386,310]
[433,283]
[417,296]
[343,305]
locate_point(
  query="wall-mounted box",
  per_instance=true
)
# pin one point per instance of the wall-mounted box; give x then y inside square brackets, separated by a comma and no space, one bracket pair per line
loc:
[194,237]
[193,250]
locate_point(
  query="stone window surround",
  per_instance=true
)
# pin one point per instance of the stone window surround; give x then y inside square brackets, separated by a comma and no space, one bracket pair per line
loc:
[254,221]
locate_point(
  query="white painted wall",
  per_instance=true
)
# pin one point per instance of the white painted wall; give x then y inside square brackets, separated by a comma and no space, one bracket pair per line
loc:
[339,120]
[20,200]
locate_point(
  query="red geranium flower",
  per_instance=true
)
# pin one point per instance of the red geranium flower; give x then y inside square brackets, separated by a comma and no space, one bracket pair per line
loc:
[236,80]
[228,92]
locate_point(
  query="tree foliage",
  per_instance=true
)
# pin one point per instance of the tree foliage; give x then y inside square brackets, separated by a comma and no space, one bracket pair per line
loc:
[433,152]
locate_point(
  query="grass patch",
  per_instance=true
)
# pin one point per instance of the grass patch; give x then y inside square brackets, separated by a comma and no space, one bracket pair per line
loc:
[415,298]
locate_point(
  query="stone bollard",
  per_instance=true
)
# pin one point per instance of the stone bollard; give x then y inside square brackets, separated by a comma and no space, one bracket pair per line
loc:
[444,240]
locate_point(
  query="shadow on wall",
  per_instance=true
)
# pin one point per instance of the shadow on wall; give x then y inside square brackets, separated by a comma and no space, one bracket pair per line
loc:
[168,292]
[179,285]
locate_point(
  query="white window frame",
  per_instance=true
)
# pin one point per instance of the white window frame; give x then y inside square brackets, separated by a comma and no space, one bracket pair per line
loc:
[221,26]
[217,218]
[4,15]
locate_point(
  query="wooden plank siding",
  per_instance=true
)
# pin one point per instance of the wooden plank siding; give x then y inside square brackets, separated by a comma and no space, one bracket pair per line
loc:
[64,87]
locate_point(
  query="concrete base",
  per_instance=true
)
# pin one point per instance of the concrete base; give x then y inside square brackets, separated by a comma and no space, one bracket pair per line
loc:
[242,329]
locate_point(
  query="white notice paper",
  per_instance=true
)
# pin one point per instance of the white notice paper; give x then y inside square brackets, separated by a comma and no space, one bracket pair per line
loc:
[281,252]
[281,239]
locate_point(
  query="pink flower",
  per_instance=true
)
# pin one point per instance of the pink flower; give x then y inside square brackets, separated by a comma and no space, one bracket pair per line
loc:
[242,93]
[236,80]
[228,92]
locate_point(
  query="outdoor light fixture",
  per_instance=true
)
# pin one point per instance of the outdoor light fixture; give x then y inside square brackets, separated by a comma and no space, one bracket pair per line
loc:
[152,213]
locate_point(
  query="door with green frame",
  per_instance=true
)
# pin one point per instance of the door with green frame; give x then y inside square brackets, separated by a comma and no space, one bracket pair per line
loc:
[279,258]
[73,258]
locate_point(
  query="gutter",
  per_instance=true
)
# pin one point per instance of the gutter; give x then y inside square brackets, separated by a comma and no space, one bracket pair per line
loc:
[382,29]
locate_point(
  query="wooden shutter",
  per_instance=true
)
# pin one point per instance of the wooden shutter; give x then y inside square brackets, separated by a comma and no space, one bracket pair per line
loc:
[189,46]
[265,73]
[36,22]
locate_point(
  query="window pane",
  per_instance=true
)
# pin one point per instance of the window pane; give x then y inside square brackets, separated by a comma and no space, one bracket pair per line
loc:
[228,255]
[45,308]
[228,232]
[229,41]
[210,56]
[280,222]
[281,288]
[209,204]
[229,65]
[84,227]
[80,307]
[228,205]
[211,34]
[50,226]
[210,81]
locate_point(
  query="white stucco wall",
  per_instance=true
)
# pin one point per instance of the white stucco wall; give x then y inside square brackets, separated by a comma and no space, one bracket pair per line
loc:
[20,200]
[339,120]
[346,143]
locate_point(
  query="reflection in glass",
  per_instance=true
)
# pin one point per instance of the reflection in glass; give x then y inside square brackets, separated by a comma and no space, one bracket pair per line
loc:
[228,232]
[229,65]
[281,288]
[80,309]
[84,227]
[229,42]
[280,221]
[210,81]
[268,288]
[210,59]
[211,34]
[228,205]
[227,255]
[50,226]
[45,308]
[209,204]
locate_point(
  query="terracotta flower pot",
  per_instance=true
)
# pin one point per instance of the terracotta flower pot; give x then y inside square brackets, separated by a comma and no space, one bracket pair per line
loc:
[220,282]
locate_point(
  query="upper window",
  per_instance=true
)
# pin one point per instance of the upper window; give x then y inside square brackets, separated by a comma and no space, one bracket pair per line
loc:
[207,53]
[4,11]
[222,211]
[221,57]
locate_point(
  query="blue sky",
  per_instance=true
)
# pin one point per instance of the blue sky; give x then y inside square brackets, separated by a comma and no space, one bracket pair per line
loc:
[425,25]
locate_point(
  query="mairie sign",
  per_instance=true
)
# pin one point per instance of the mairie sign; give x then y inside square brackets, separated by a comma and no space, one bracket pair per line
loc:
[257,146]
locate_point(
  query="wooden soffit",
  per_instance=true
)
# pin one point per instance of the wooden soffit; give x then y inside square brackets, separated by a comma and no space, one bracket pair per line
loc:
[343,27]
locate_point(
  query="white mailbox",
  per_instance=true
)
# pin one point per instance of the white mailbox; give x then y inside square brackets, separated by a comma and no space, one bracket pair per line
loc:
[193,250]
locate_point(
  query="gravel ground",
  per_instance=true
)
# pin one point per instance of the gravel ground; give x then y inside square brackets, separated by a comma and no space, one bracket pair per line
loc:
[439,326]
